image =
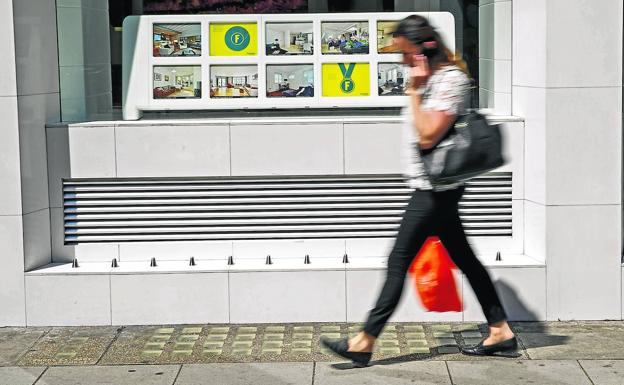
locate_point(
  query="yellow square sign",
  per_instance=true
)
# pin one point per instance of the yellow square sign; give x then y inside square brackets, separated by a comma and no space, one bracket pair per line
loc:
[346,79]
[240,39]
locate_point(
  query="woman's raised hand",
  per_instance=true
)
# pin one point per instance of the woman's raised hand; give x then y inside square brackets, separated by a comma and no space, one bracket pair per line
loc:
[419,71]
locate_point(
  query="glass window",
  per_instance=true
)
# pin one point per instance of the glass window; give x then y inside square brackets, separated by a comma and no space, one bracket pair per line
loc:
[299,39]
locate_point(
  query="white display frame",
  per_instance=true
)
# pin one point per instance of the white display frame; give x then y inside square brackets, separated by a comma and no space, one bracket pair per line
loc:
[138,56]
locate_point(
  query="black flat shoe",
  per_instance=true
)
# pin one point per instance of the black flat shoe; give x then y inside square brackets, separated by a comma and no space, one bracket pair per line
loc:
[509,346]
[341,347]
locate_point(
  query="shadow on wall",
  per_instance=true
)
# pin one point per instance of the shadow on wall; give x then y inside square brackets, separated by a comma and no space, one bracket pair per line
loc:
[514,307]
[531,334]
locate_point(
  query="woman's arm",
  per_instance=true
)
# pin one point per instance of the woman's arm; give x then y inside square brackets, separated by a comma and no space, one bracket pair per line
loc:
[430,125]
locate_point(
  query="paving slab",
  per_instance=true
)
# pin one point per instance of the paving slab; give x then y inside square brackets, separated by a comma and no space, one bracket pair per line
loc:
[107,375]
[415,372]
[19,376]
[246,373]
[576,345]
[15,342]
[604,372]
[517,373]
[70,346]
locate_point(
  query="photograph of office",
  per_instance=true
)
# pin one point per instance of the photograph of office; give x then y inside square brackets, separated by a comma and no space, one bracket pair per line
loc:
[344,37]
[391,79]
[385,41]
[177,82]
[293,80]
[177,40]
[289,39]
[234,81]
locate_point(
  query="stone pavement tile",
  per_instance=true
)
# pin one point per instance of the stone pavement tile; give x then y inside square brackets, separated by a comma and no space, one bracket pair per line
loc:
[517,373]
[19,376]
[415,372]
[70,346]
[604,372]
[247,373]
[14,342]
[118,375]
[601,344]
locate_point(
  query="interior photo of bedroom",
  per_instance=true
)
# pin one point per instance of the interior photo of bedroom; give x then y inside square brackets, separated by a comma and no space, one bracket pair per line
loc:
[177,40]
[289,39]
[227,81]
[292,80]
[391,79]
[344,37]
[177,82]
[385,41]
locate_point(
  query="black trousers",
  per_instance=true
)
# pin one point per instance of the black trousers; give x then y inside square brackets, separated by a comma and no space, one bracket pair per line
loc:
[433,213]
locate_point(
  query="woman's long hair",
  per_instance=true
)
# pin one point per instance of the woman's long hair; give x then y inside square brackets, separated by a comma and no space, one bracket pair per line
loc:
[417,30]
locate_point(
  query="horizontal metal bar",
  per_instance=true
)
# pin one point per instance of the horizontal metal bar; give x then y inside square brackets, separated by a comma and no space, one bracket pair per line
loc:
[266,221]
[263,193]
[273,236]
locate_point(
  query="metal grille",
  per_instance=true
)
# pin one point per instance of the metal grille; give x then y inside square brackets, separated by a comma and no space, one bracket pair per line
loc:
[185,209]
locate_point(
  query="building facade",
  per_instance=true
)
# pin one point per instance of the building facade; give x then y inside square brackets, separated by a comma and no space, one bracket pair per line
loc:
[79,183]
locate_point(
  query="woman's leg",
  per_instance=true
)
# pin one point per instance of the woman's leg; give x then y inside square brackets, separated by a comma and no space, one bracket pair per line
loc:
[453,237]
[416,226]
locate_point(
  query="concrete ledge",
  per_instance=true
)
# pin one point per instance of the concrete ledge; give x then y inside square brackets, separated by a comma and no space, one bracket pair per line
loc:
[250,291]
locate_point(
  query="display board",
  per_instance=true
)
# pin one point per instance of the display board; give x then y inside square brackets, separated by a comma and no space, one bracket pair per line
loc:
[202,62]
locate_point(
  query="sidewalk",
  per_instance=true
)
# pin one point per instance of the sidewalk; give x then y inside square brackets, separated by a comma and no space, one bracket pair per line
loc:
[552,353]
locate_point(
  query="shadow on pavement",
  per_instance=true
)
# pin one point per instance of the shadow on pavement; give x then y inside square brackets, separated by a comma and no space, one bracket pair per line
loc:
[526,320]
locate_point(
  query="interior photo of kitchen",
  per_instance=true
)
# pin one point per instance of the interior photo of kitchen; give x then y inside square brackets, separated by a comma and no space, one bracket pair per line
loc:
[344,37]
[391,79]
[177,82]
[177,40]
[385,41]
[289,39]
[293,80]
[227,81]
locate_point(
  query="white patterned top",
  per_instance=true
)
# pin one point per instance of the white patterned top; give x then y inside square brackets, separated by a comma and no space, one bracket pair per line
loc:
[446,90]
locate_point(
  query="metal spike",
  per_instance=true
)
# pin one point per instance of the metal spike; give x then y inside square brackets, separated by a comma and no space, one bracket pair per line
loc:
[192,261]
[75,264]
[153,262]
[114,263]
[230,261]
[345,258]
[498,256]
[306,260]
[268,260]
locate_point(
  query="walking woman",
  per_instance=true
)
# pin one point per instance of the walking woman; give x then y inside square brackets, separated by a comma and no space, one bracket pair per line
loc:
[437,92]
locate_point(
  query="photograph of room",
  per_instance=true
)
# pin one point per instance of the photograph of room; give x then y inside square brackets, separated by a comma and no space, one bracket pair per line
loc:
[292,80]
[234,81]
[385,41]
[289,39]
[344,37]
[177,40]
[177,82]
[391,79]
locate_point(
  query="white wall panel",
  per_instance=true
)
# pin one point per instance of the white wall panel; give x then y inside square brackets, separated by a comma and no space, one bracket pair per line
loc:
[172,150]
[372,148]
[287,296]
[169,298]
[583,258]
[287,149]
[12,273]
[68,300]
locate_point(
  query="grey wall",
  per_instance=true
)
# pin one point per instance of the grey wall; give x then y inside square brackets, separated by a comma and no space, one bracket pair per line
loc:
[572,105]
[29,98]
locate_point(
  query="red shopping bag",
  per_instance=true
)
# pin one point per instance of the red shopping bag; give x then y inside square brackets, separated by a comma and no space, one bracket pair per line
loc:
[432,270]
